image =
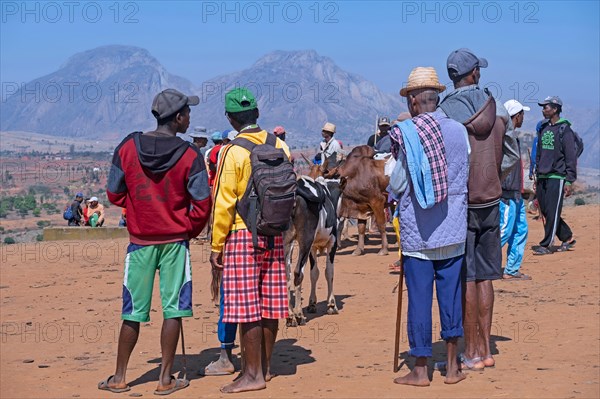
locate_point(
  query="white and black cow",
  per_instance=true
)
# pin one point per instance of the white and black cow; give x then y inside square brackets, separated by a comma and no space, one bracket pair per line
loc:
[314,228]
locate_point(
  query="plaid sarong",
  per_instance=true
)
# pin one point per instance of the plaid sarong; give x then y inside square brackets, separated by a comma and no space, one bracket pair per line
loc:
[254,283]
[430,135]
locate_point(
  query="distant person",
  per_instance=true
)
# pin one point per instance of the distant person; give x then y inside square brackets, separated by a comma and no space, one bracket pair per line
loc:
[95,213]
[200,138]
[493,154]
[279,132]
[433,216]
[228,136]
[213,157]
[513,215]
[330,148]
[85,216]
[380,141]
[76,211]
[556,165]
[533,205]
[162,182]
[123,220]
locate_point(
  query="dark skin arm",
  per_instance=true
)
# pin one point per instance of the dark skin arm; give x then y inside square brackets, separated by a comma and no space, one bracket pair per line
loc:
[216,260]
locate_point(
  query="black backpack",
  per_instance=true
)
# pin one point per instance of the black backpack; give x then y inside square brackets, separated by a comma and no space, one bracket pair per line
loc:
[266,206]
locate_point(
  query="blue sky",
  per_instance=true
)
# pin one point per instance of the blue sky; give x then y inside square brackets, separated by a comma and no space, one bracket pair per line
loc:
[534,48]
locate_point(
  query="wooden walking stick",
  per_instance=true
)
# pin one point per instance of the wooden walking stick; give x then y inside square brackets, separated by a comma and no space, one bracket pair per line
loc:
[398,316]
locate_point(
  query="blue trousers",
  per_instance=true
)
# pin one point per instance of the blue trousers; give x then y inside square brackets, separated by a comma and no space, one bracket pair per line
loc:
[225,331]
[513,230]
[420,275]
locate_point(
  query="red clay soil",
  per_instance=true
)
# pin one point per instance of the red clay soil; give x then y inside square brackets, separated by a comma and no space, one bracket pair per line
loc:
[60,306]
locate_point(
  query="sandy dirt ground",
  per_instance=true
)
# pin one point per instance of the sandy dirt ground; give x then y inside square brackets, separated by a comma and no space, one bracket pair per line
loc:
[60,307]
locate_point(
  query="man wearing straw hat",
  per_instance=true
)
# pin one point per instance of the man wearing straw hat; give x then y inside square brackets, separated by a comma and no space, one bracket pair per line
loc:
[493,154]
[433,219]
[330,148]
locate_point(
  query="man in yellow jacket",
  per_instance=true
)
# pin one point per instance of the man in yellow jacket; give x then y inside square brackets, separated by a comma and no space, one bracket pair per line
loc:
[254,283]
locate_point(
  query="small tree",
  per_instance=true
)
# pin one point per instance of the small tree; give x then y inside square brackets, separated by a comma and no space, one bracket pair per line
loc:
[37,212]
[9,240]
[579,201]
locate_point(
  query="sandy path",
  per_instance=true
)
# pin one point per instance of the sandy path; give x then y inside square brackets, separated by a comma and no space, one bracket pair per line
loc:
[60,305]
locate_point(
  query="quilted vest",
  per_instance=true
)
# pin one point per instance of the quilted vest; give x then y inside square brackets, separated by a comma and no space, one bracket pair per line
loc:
[446,222]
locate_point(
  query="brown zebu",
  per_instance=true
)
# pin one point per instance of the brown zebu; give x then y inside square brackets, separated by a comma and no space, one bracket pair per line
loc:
[364,192]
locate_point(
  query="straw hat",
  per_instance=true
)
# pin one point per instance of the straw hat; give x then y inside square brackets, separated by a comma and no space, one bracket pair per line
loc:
[329,127]
[422,78]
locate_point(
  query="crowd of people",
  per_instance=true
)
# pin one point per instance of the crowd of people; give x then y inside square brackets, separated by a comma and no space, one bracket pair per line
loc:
[458,178]
[86,212]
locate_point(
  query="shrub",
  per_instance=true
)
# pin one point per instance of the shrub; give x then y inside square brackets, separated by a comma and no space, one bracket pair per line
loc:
[39,237]
[9,240]
[579,201]
[43,223]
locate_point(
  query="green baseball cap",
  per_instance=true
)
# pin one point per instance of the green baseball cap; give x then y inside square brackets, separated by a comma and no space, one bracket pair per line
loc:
[239,99]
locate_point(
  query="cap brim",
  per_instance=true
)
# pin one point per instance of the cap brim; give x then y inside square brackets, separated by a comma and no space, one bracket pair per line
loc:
[193,100]
[526,108]
[482,62]
[544,103]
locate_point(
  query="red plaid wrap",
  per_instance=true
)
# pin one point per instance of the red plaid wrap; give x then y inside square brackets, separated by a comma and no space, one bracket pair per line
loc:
[254,283]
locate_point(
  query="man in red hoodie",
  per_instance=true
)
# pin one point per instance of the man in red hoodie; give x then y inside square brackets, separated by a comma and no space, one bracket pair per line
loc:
[162,181]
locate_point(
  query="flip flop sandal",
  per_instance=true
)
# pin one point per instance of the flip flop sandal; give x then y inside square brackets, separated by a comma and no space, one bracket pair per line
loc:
[103,386]
[215,373]
[566,246]
[469,364]
[516,276]
[179,384]
[542,251]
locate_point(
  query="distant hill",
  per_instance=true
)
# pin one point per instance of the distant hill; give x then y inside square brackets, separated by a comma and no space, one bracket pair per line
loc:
[106,93]
[302,90]
[102,92]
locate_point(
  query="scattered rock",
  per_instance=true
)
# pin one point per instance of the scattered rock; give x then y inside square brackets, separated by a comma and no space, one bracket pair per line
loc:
[28,361]
[43,366]
[135,394]
[81,358]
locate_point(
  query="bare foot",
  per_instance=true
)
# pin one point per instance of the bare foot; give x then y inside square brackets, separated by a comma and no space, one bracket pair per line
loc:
[269,376]
[414,378]
[222,366]
[245,384]
[454,378]
[488,361]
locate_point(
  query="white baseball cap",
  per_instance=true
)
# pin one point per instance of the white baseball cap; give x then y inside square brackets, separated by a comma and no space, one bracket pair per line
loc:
[93,199]
[514,107]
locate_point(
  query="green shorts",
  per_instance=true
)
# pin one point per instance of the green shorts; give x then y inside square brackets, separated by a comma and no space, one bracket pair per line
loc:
[172,260]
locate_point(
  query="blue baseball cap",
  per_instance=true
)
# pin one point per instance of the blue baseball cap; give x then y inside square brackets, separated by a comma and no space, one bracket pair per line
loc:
[216,137]
[225,134]
[79,195]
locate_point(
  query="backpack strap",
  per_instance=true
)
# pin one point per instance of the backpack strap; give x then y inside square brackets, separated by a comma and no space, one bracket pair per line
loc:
[253,197]
[244,143]
[271,139]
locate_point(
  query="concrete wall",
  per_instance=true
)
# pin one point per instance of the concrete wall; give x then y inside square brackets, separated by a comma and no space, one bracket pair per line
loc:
[84,233]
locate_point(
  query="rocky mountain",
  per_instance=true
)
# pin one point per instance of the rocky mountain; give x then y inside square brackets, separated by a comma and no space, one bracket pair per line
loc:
[104,92]
[107,92]
[302,90]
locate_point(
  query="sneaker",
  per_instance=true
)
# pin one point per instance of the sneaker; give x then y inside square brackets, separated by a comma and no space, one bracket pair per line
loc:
[542,251]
